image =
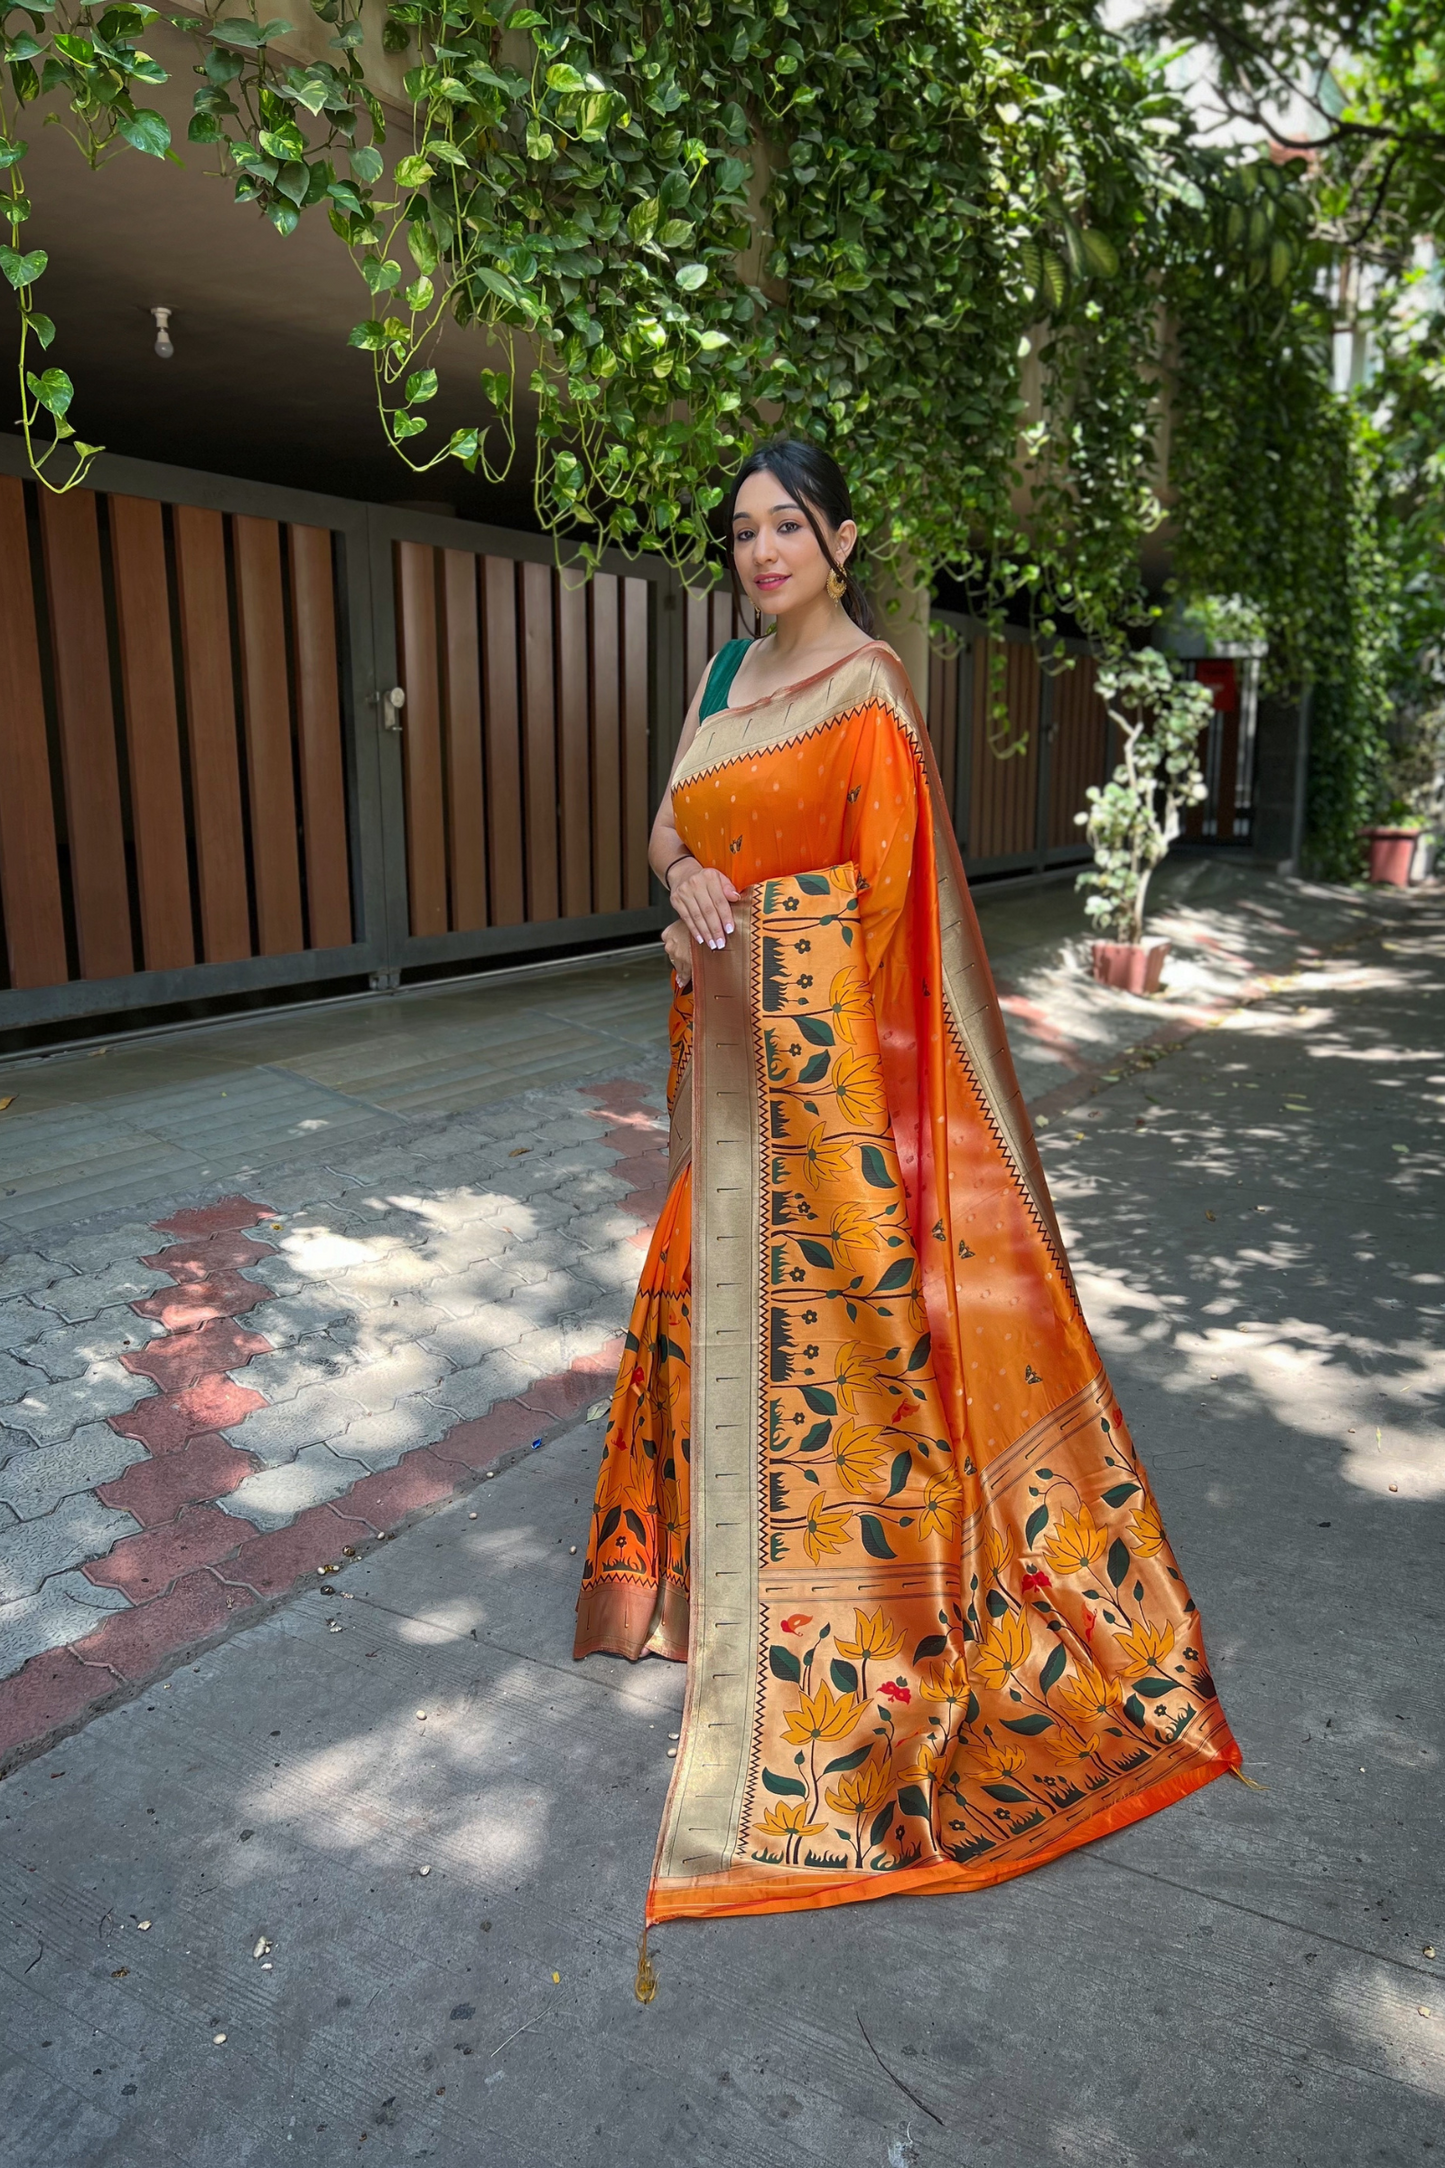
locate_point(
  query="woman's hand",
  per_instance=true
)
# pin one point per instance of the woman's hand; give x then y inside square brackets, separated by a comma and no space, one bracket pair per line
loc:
[701,898]
[679,954]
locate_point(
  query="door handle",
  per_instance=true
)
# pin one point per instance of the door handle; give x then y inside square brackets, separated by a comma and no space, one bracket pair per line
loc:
[392,704]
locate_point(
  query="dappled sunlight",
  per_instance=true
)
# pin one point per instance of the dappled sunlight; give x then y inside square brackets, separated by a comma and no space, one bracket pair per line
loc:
[1380,2008]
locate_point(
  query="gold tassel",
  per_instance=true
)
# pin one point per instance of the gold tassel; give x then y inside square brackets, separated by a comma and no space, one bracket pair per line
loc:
[1249,1781]
[645,1986]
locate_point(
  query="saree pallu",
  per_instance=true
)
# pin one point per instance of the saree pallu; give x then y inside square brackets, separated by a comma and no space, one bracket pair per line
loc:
[863,1463]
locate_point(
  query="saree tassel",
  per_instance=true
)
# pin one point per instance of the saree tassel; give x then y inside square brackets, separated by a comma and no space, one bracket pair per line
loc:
[1254,1787]
[645,1985]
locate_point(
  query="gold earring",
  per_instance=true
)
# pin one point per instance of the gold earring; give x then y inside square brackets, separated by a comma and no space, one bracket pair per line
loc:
[837,585]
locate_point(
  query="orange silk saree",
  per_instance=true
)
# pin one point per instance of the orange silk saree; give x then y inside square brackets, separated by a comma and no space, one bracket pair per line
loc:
[863,1467]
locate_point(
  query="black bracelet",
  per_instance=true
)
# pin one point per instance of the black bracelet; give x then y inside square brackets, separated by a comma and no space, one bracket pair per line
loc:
[668,868]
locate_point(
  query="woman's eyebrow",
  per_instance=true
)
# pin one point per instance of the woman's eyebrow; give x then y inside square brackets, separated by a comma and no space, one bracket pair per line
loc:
[786,506]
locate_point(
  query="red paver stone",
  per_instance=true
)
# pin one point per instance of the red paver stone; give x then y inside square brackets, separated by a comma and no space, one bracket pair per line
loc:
[587,1380]
[216,1253]
[629,1143]
[645,1204]
[622,1098]
[182,1359]
[417,1480]
[155,1490]
[135,1642]
[164,1423]
[212,1219]
[144,1566]
[283,1556]
[481,1440]
[196,1302]
[47,1691]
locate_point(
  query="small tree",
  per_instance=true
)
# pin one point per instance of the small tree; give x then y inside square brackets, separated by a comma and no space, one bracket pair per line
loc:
[1133,820]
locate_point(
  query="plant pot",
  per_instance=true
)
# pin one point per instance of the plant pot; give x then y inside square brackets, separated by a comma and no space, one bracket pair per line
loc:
[1132,966]
[1392,852]
[1422,865]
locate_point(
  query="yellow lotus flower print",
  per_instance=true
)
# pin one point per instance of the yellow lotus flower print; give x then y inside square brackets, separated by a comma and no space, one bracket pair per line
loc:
[858,1456]
[858,1086]
[861,1791]
[999,1657]
[853,1235]
[1076,1545]
[1146,1536]
[1002,1761]
[824,1715]
[875,1641]
[946,1684]
[998,1549]
[789,1818]
[942,1503]
[1088,1695]
[848,1003]
[1146,1647]
[853,1374]
[822,1161]
[827,1529]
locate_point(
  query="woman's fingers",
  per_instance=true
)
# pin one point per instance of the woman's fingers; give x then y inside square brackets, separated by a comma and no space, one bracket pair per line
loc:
[703,899]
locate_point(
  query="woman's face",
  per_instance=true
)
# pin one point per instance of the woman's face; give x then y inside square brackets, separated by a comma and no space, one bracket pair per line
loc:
[775,550]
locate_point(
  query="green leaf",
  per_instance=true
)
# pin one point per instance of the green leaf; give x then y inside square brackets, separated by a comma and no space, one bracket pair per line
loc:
[856,1759]
[817,1253]
[1155,1687]
[22,270]
[814,1069]
[821,1402]
[818,1435]
[912,1799]
[931,1645]
[1029,1726]
[881,1823]
[784,1787]
[1119,1493]
[11,153]
[561,77]
[642,220]
[414,172]
[41,328]
[145,131]
[875,1542]
[690,276]
[1100,251]
[875,1168]
[815,1030]
[1134,1710]
[813,884]
[1009,1793]
[53,389]
[367,165]
[996,1604]
[922,1350]
[899,1473]
[899,1273]
[784,1664]
[1035,1525]
[844,1677]
[1054,1669]
[420,386]
[1118,1560]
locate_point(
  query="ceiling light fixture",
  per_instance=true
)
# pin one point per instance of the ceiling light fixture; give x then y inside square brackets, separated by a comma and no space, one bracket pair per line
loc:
[162,320]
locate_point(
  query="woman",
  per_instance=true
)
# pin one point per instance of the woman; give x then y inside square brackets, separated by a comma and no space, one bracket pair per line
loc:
[863,1468]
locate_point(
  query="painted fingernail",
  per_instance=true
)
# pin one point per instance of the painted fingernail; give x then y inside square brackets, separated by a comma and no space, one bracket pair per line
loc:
[729,926]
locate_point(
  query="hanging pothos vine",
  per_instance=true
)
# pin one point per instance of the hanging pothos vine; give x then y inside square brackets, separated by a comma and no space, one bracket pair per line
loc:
[682,223]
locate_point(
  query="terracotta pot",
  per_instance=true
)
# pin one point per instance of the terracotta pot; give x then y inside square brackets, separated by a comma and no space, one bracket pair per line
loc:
[1133,966]
[1392,853]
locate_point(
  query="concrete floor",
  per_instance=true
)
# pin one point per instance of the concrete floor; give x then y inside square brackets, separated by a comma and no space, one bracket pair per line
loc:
[1256,1223]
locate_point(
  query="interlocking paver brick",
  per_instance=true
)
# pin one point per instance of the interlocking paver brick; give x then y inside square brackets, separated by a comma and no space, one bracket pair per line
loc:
[394,1325]
[320,1359]
[182,1359]
[472,1392]
[78,1528]
[43,1694]
[380,1439]
[103,1247]
[200,1258]
[275,1434]
[22,1321]
[80,1298]
[402,1272]
[135,1641]
[476,1443]
[144,1565]
[16,1379]
[213,1219]
[277,1495]
[405,1371]
[25,1272]
[155,1490]
[74,1349]
[467,1341]
[49,1412]
[195,1302]
[164,1423]
[61,1610]
[277,1560]
[315,1310]
[422,1479]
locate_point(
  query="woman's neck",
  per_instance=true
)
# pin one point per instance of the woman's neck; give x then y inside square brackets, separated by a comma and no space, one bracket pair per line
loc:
[823,626]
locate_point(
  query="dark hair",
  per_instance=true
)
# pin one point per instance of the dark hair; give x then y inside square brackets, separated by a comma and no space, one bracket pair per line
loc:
[814,480]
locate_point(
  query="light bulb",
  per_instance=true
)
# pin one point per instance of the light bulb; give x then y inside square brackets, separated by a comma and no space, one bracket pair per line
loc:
[162,320]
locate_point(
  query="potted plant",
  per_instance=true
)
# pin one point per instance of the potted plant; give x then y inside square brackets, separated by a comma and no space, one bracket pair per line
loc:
[1132,821]
[1393,846]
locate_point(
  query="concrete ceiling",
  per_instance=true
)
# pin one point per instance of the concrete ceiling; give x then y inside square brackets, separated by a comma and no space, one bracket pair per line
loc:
[262,383]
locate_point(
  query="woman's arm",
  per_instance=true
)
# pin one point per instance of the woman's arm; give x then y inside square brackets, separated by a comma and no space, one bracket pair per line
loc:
[699,894]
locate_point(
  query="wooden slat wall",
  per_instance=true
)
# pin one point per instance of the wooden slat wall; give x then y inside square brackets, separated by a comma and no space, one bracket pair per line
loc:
[943,717]
[1003,798]
[710,621]
[185,649]
[540,740]
[1078,750]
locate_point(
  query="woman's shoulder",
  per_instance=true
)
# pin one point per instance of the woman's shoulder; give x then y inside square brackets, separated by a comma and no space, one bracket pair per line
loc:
[882,669]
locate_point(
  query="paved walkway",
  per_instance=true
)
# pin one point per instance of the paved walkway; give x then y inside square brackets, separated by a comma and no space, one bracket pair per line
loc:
[441,1204]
